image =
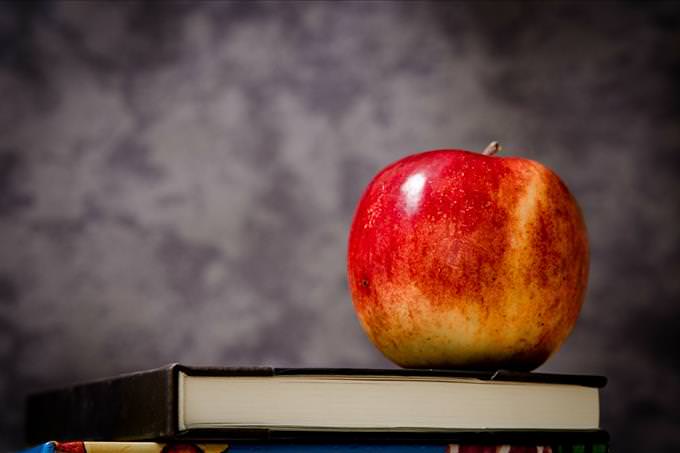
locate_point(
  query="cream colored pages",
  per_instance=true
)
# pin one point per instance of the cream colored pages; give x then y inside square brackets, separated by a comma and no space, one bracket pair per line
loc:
[294,402]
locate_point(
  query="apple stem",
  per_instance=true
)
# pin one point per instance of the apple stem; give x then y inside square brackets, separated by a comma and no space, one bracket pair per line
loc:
[492,148]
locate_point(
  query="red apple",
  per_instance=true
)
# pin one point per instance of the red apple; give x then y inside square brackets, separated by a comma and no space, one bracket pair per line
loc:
[466,260]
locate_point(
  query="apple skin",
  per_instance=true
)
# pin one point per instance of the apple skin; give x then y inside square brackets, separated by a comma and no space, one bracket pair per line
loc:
[462,260]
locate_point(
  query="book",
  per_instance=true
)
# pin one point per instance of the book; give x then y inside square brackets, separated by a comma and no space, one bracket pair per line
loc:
[188,447]
[266,403]
[127,447]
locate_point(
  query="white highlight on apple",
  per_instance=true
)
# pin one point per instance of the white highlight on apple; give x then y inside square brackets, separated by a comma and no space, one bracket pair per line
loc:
[413,191]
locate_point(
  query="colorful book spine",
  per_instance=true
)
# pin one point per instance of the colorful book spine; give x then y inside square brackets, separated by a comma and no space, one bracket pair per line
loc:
[128,447]
[189,447]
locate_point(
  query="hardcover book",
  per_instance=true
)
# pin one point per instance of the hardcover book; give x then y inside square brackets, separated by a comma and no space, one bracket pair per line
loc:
[127,447]
[264,403]
[185,447]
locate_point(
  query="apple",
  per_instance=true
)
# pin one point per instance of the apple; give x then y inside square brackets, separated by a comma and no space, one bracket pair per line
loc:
[459,259]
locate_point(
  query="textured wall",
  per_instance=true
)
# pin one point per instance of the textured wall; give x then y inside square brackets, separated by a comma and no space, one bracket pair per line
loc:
[177,180]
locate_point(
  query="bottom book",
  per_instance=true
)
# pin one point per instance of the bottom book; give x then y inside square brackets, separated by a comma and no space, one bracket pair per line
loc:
[189,447]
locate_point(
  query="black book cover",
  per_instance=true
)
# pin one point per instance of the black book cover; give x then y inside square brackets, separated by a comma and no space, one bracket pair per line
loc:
[144,406]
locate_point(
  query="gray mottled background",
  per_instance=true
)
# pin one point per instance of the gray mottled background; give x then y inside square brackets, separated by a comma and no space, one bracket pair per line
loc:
[177,179]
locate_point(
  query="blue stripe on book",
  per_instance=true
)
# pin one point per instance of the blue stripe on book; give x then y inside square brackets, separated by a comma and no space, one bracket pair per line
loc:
[47,447]
[338,448]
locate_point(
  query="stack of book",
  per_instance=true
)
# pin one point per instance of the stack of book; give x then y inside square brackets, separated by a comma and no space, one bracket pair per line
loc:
[238,410]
